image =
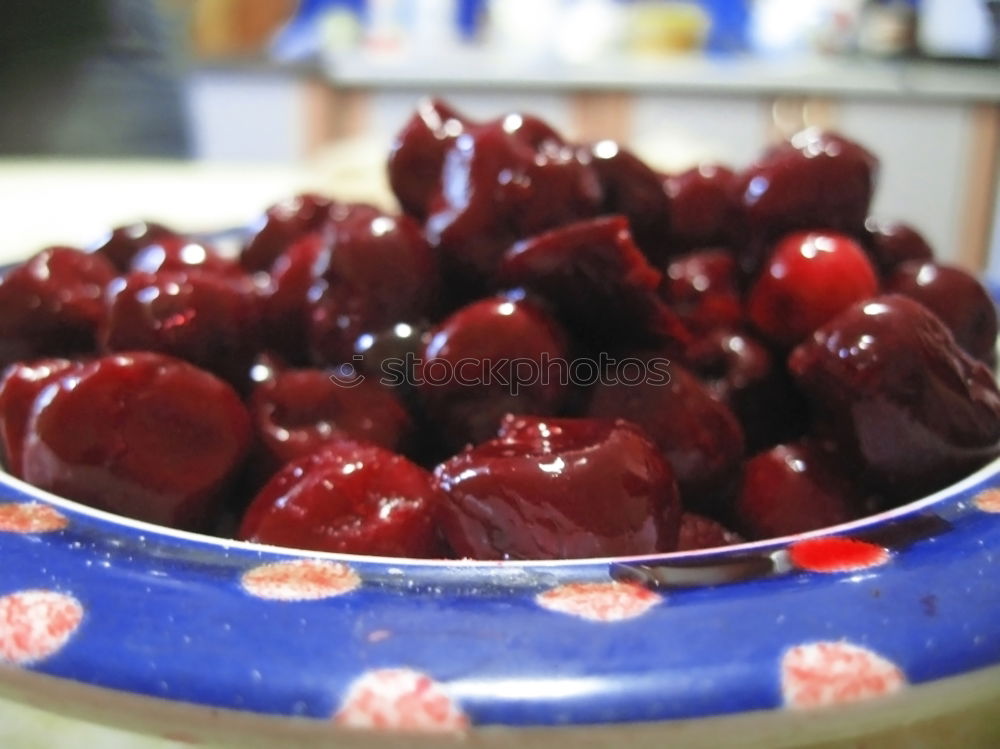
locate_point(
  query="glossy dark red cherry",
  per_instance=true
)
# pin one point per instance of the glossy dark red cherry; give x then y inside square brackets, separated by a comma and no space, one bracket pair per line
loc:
[124,242]
[704,207]
[142,435]
[349,498]
[52,304]
[598,281]
[21,384]
[282,225]
[702,288]
[729,361]
[891,243]
[417,155]
[389,356]
[962,303]
[699,435]
[183,254]
[816,179]
[635,191]
[741,372]
[809,278]
[529,129]
[560,489]
[794,488]
[486,360]
[266,366]
[887,381]
[285,307]
[699,532]
[376,271]
[210,321]
[300,410]
[500,183]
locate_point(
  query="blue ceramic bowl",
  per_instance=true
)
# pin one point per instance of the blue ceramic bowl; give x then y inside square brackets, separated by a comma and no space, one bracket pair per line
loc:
[201,638]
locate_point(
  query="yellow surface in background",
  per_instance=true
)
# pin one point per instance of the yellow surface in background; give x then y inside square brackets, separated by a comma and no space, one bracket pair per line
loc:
[658,28]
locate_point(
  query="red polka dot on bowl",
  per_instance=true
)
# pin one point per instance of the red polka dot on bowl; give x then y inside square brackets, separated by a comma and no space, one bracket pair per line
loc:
[836,555]
[820,674]
[400,699]
[36,624]
[600,602]
[30,517]
[300,580]
[988,500]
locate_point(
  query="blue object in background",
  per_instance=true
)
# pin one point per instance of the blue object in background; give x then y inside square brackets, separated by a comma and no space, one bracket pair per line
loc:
[300,40]
[309,10]
[730,24]
[730,19]
[470,14]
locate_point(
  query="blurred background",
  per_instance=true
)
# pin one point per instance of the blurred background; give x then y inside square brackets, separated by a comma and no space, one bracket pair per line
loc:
[200,112]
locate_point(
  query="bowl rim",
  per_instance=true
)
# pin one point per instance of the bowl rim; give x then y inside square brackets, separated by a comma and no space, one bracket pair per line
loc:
[225,544]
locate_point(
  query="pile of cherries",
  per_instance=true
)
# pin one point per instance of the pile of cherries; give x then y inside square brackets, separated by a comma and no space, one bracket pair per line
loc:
[812,365]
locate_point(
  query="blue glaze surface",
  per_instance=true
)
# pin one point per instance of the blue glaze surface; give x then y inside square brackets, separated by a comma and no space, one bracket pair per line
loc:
[166,615]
